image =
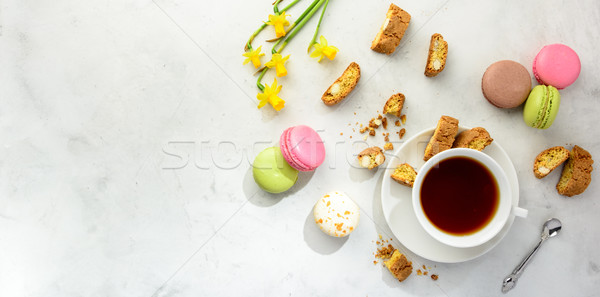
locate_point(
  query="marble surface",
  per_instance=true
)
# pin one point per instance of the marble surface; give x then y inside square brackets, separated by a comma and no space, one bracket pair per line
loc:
[129,127]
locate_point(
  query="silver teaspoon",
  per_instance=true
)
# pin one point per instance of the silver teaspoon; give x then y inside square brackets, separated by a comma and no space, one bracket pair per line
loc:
[551,228]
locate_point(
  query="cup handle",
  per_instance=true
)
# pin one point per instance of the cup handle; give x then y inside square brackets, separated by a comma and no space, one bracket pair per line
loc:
[519,212]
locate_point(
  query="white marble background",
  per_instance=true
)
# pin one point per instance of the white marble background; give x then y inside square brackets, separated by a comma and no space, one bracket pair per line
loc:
[99,98]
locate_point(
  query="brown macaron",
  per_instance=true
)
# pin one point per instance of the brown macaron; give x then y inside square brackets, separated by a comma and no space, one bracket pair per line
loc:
[506,84]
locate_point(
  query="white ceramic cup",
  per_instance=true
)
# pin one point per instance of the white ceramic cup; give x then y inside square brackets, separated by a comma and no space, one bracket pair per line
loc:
[503,211]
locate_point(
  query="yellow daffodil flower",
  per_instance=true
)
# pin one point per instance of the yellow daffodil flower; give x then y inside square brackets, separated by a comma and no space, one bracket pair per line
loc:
[278,21]
[324,50]
[269,95]
[278,62]
[254,57]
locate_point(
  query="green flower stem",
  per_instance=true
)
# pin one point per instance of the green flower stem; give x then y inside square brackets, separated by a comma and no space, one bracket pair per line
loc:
[290,5]
[258,84]
[314,39]
[275,8]
[249,43]
[300,25]
[298,21]
[273,51]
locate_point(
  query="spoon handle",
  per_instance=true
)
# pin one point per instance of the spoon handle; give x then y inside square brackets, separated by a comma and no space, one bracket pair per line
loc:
[511,280]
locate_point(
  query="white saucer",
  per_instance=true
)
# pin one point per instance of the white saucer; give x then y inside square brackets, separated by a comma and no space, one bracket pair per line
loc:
[397,204]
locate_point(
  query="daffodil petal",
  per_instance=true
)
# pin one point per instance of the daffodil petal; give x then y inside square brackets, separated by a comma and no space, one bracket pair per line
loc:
[256,62]
[323,41]
[280,70]
[279,31]
[277,103]
[263,99]
[278,21]
[254,57]
[324,50]
[330,52]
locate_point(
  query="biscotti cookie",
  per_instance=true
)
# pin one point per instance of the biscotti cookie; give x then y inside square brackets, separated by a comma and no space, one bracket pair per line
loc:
[342,86]
[371,157]
[394,105]
[438,51]
[391,31]
[443,137]
[404,174]
[548,160]
[477,138]
[399,266]
[577,173]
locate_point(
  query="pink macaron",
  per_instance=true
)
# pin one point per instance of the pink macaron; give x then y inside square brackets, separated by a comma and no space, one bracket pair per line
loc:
[556,65]
[302,148]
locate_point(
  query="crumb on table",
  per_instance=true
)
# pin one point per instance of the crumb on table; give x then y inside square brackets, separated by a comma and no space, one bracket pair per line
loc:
[385,252]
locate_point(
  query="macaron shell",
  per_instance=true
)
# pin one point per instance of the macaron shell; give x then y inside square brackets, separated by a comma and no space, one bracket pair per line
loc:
[552,109]
[506,84]
[534,106]
[284,144]
[541,107]
[272,173]
[557,65]
[303,147]
[336,214]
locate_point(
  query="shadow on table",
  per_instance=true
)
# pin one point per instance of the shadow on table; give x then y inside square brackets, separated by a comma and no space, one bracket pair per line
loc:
[360,174]
[268,114]
[261,198]
[384,230]
[319,241]
[378,217]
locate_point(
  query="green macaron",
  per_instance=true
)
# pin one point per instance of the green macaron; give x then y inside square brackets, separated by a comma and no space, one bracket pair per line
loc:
[541,107]
[272,173]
